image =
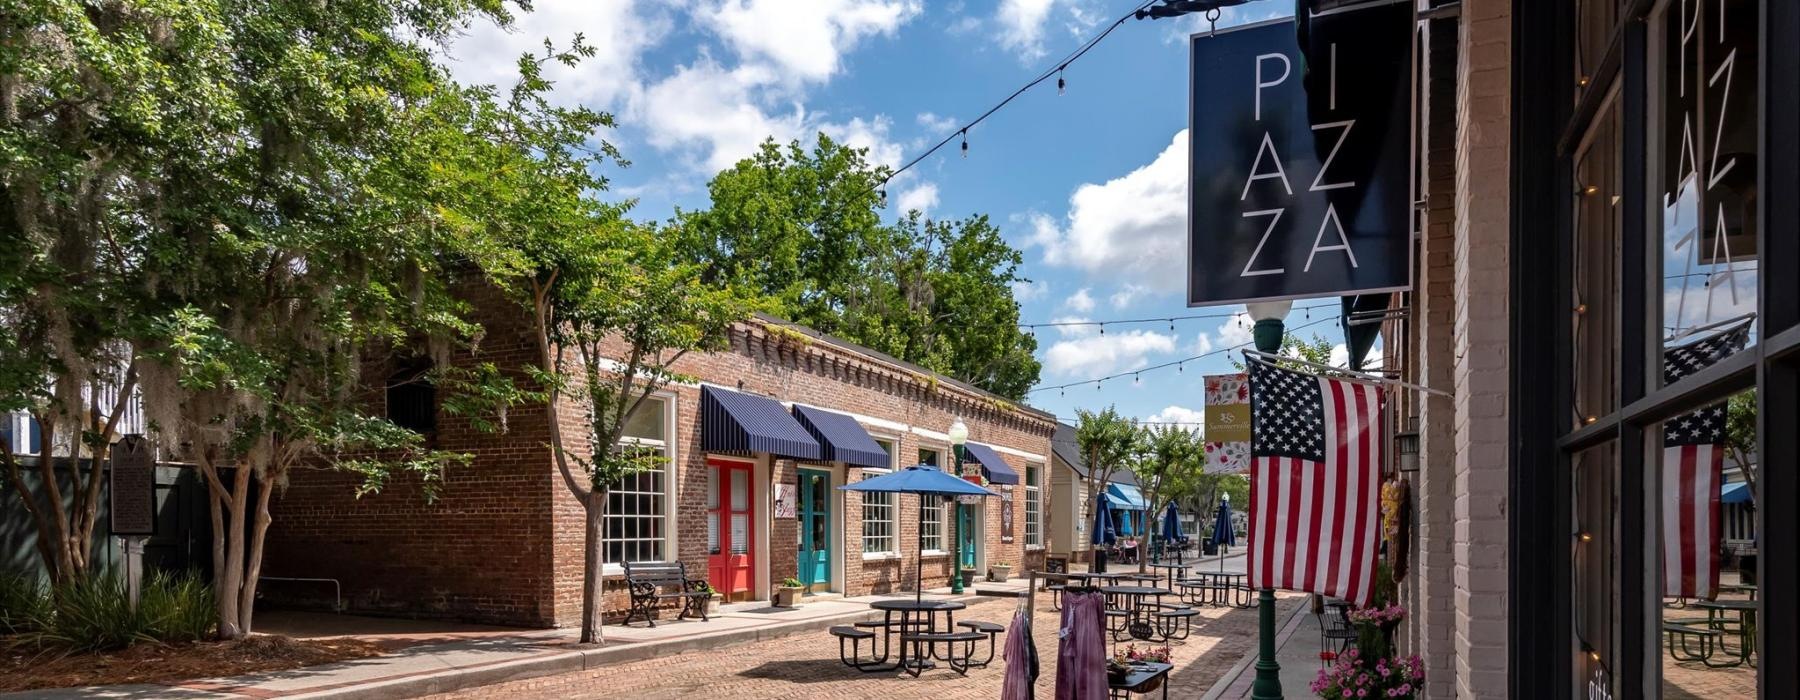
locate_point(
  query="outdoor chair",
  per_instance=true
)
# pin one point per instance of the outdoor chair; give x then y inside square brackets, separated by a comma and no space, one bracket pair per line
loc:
[852,656]
[649,580]
[1335,631]
[992,630]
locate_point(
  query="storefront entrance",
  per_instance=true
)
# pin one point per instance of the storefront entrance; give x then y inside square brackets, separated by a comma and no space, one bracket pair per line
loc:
[968,529]
[729,562]
[815,530]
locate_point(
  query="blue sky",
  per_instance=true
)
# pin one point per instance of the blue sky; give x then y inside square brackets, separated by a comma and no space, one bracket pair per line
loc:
[1089,184]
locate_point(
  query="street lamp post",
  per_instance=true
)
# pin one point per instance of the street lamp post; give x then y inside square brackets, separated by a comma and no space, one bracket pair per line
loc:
[959,434]
[1267,334]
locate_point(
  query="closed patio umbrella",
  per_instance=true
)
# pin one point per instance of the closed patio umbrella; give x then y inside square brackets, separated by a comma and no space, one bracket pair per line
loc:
[928,483]
[1171,529]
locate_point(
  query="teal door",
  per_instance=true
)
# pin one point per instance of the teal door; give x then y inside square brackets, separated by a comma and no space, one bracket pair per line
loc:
[965,531]
[815,529]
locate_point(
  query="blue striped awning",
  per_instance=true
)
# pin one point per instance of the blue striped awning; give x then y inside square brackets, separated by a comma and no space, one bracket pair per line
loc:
[841,438]
[732,421]
[992,466]
[1125,497]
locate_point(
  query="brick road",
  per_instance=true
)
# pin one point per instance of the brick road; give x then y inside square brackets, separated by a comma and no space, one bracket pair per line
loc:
[806,666]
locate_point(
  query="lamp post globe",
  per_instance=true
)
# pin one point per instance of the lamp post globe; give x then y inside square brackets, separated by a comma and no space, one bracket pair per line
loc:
[958,434]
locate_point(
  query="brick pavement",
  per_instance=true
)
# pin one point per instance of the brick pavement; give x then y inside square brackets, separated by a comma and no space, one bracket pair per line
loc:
[808,667]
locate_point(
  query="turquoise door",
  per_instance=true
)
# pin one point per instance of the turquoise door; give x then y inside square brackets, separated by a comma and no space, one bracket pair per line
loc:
[815,529]
[965,530]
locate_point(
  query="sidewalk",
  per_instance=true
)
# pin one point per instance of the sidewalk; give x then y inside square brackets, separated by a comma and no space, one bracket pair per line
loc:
[1297,650]
[483,657]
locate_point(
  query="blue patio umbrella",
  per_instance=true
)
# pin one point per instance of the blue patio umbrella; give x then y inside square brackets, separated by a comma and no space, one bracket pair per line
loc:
[1171,529]
[1125,522]
[927,482]
[1222,532]
[1103,527]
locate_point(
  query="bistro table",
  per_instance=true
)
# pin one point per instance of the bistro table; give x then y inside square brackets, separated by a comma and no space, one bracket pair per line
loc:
[1746,621]
[1144,677]
[915,616]
[1140,611]
[1176,571]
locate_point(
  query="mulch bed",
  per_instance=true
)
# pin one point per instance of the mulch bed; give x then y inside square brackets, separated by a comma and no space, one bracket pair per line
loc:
[24,668]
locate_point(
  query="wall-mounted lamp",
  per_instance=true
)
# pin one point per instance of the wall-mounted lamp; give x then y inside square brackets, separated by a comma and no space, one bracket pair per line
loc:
[1406,443]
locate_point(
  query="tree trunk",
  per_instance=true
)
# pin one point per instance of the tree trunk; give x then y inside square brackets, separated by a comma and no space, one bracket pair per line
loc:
[593,601]
[230,585]
[260,528]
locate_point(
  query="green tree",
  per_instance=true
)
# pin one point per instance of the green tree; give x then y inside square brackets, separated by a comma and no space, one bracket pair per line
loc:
[254,199]
[1108,441]
[1168,468]
[803,227]
[1740,438]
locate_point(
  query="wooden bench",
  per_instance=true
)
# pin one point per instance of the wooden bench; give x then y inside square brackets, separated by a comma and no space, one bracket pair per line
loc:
[657,581]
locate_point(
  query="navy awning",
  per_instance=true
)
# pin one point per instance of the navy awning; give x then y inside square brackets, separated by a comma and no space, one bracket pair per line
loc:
[992,466]
[732,421]
[841,438]
[1125,497]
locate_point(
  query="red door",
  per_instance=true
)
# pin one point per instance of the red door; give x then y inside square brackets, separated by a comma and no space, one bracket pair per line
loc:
[729,529]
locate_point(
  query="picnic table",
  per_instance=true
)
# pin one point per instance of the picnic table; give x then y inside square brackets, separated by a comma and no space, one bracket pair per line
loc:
[1145,677]
[1746,622]
[1176,571]
[1218,588]
[1141,614]
[921,639]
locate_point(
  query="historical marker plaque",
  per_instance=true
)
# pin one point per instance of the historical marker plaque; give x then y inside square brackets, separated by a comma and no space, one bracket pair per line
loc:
[132,488]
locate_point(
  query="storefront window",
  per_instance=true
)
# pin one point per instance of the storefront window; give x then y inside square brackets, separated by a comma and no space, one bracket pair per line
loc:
[637,505]
[1595,566]
[1596,269]
[1033,527]
[878,511]
[1704,160]
[1594,22]
[931,522]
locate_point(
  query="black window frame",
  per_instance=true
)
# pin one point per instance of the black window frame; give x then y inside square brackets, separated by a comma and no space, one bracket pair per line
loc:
[1545,131]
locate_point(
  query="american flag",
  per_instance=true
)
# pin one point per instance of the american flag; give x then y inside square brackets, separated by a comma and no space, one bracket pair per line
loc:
[1693,462]
[1315,456]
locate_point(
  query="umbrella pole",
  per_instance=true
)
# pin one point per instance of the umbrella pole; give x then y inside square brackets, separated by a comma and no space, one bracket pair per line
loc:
[919,561]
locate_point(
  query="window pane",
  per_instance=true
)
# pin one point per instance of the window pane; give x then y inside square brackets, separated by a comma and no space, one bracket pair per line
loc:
[1596,268]
[1595,556]
[928,457]
[1707,547]
[648,422]
[1704,156]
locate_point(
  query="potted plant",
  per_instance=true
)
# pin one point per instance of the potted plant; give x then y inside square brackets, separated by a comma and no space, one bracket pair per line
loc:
[712,597]
[969,576]
[999,572]
[787,595]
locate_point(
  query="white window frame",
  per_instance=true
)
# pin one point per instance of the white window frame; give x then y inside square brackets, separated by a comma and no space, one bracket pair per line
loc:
[943,513]
[892,551]
[668,446]
[1034,506]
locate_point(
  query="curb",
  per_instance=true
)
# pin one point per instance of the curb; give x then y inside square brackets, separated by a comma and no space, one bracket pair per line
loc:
[554,663]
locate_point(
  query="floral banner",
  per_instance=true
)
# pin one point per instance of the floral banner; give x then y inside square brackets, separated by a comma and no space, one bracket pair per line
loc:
[1227,424]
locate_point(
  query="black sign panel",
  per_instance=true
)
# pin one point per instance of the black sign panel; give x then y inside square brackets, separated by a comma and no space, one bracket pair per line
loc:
[132,488]
[1299,158]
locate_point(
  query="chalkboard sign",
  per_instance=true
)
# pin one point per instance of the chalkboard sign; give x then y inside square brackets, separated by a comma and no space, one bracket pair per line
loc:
[1056,565]
[131,488]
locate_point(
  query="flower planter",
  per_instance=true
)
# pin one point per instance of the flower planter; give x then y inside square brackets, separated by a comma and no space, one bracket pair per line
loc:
[999,572]
[712,605]
[787,596]
[969,577]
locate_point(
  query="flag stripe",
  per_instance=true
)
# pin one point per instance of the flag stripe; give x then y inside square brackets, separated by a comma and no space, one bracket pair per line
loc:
[1290,482]
[1687,518]
[1370,417]
[1337,461]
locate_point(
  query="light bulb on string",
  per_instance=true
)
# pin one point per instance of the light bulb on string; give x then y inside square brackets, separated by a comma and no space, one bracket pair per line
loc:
[1097,384]
[1102,329]
[1171,325]
[1061,86]
[965,142]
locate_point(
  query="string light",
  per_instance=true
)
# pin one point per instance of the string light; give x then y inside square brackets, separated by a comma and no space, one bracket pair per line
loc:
[1177,364]
[1238,315]
[1586,536]
[1061,86]
[965,140]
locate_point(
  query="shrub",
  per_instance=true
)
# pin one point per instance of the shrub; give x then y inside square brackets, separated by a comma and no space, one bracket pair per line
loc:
[95,614]
[24,605]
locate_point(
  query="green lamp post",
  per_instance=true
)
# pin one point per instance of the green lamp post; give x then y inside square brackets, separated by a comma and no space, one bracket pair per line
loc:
[959,434]
[1269,329]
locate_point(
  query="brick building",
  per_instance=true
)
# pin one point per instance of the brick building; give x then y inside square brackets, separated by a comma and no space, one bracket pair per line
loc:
[757,448]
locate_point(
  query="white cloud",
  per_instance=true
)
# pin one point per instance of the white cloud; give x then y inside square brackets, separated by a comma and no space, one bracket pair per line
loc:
[1021,24]
[922,198]
[1202,344]
[871,134]
[1178,414]
[1126,294]
[1340,355]
[805,41]
[1135,222]
[1235,330]
[1076,326]
[1080,301]
[936,124]
[1096,355]
[1030,291]
[618,30]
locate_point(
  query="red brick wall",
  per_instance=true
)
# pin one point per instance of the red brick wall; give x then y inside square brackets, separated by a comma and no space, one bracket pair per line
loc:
[504,543]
